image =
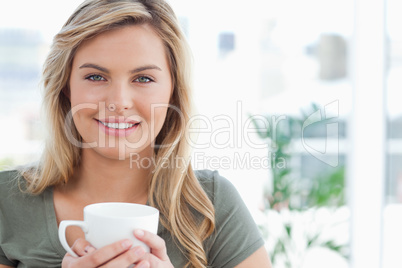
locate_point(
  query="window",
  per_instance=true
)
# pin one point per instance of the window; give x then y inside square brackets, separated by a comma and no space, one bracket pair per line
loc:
[338,61]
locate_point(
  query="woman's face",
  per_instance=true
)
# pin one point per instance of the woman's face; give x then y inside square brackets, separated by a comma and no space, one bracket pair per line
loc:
[120,86]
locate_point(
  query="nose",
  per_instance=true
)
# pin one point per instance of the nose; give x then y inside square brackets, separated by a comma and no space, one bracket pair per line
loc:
[119,98]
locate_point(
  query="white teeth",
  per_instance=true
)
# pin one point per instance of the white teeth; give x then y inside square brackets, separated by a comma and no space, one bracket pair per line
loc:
[117,125]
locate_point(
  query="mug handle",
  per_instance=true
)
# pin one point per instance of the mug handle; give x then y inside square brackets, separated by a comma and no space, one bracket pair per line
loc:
[62,233]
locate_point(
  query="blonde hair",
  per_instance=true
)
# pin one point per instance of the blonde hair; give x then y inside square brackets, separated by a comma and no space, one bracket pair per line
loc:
[175,191]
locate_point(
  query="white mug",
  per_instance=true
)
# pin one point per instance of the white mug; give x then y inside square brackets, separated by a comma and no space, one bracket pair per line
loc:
[106,223]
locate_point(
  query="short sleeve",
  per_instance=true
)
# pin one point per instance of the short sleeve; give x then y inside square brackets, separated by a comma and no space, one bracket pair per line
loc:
[236,236]
[28,230]
[4,192]
[4,260]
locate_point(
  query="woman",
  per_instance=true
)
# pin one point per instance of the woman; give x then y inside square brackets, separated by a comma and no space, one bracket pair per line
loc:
[117,97]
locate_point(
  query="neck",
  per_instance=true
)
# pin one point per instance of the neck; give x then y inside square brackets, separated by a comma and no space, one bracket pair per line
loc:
[100,179]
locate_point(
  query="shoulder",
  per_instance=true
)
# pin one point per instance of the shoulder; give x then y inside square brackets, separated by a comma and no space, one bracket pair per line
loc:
[223,194]
[216,186]
[8,175]
[12,186]
[236,235]
[9,180]
[14,200]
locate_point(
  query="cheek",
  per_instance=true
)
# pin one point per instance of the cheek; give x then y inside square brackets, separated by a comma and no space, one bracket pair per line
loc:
[158,122]
[160,116]
[76,95]
[81,118]
[154,117]
[161,109]
[155,105]
[81,99]
[82,94]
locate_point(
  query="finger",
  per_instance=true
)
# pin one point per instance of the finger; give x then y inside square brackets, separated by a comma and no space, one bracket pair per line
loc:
[67,260]
[126,259]
[107,253]
[156,243]
[82,247]
[143,264]
[70,261]
[150,260]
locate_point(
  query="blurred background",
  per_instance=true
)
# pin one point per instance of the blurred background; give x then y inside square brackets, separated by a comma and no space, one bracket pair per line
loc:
[298,105]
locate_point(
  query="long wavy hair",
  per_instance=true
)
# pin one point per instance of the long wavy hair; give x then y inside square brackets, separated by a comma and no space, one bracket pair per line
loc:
[174,189]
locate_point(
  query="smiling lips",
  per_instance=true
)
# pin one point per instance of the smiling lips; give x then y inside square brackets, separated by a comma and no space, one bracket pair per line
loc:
[118,125]
[118,128]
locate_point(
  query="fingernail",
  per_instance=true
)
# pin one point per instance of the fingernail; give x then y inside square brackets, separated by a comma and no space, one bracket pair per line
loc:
[139,251]
[143,265]
[89,249]
[127,244]
[139,233]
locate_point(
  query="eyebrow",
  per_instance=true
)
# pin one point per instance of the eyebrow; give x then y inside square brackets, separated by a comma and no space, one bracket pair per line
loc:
[136,70]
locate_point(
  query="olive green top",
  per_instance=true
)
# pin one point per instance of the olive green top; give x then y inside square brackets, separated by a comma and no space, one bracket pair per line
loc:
[29,231]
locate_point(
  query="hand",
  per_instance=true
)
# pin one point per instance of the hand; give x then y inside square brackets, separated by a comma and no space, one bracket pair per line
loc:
[157,258]
[117,254]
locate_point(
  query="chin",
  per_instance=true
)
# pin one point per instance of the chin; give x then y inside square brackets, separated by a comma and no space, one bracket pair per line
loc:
[123,152]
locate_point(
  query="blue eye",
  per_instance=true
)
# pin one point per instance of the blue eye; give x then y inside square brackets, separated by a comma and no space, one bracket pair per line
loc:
[95,77]
[143,79]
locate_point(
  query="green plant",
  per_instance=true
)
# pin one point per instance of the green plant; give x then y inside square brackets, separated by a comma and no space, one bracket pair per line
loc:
[328,189]
[324,190]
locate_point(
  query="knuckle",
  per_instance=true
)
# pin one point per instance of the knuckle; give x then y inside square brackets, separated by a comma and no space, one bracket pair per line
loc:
[95,258]
[79,246]
[131,256]
[118,247]
[161,244]
[78,243]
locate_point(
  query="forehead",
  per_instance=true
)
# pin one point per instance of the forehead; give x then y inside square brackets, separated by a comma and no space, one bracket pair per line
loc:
[135,44]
